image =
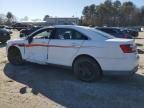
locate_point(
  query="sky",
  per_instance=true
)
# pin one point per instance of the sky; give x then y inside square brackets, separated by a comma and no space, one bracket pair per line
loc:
[56,8]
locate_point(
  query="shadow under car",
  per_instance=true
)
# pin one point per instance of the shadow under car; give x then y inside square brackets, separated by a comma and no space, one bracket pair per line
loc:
[60,85]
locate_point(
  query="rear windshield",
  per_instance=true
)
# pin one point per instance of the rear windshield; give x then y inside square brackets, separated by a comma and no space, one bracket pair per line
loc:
[106,35]
[119,31]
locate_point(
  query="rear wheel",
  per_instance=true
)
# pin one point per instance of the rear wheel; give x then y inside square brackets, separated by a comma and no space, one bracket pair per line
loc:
[87,69]
[14,56]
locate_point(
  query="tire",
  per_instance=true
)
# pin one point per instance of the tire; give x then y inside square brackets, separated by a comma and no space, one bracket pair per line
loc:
[14,56]
[86,69]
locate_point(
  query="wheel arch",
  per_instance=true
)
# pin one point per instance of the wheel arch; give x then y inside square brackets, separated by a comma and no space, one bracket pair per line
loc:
[87,56]
[14,55]
[14,47]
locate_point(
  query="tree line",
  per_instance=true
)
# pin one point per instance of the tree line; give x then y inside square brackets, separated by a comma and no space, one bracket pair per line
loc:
[108,13]
[7,19]
[113,13]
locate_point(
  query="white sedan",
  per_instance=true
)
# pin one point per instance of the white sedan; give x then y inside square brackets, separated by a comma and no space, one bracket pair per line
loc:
[89,52]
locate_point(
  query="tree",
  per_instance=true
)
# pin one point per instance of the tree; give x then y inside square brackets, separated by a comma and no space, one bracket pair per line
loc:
[2,18]
[113,13]
[128,10]
[117,4]
[85,16]
[92,11]
[10,17]
[101,11]
[142,15]
[46,17]
[108,3]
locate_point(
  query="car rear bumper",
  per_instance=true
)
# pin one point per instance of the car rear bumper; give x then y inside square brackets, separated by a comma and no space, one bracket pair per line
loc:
[117,72]
[126,66]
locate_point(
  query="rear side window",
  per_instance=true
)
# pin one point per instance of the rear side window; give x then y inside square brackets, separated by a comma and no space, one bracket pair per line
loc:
[100,33]
[78,36]
[68,34]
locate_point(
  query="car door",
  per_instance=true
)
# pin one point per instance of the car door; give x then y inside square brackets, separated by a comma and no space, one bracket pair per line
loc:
[37,50]
[64,44]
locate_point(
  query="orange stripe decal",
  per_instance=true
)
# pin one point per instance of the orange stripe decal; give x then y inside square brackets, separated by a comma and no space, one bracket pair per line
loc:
[43,45]
[35,45]
[46,45]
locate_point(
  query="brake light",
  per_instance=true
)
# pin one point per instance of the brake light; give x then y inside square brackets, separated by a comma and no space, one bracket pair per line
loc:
[128,48]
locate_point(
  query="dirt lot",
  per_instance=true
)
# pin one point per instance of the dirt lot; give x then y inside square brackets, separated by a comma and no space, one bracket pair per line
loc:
[37,86]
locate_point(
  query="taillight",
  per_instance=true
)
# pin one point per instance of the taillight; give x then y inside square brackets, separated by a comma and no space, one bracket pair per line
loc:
[128,48]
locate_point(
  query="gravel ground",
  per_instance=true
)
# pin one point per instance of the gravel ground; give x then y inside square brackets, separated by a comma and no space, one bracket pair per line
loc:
[38,86]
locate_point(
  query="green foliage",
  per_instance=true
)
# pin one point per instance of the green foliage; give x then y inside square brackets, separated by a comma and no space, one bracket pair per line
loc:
[46,17]
[7,19]
[113,14]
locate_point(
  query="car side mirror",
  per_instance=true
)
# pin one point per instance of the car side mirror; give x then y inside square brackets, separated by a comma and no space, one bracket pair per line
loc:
[30,39]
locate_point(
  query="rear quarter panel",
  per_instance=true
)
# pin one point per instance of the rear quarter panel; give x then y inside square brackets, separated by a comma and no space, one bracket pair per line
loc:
[103,52]
[101,49]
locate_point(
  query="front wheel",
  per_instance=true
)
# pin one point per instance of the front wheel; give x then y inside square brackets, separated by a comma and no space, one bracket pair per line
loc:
[87,69]
[14,56]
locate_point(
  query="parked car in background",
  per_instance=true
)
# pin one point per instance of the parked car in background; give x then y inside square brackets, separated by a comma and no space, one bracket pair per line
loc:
[4,35]
[89,52]
[20,26]
[26,32]
[142,29]
[139,28]
[133,32]
[6,28]
[117,32]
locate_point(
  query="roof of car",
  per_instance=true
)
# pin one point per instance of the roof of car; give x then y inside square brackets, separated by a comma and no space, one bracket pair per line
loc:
[65,26]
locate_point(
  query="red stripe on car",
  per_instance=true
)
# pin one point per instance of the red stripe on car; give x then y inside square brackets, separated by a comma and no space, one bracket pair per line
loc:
[46,45]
